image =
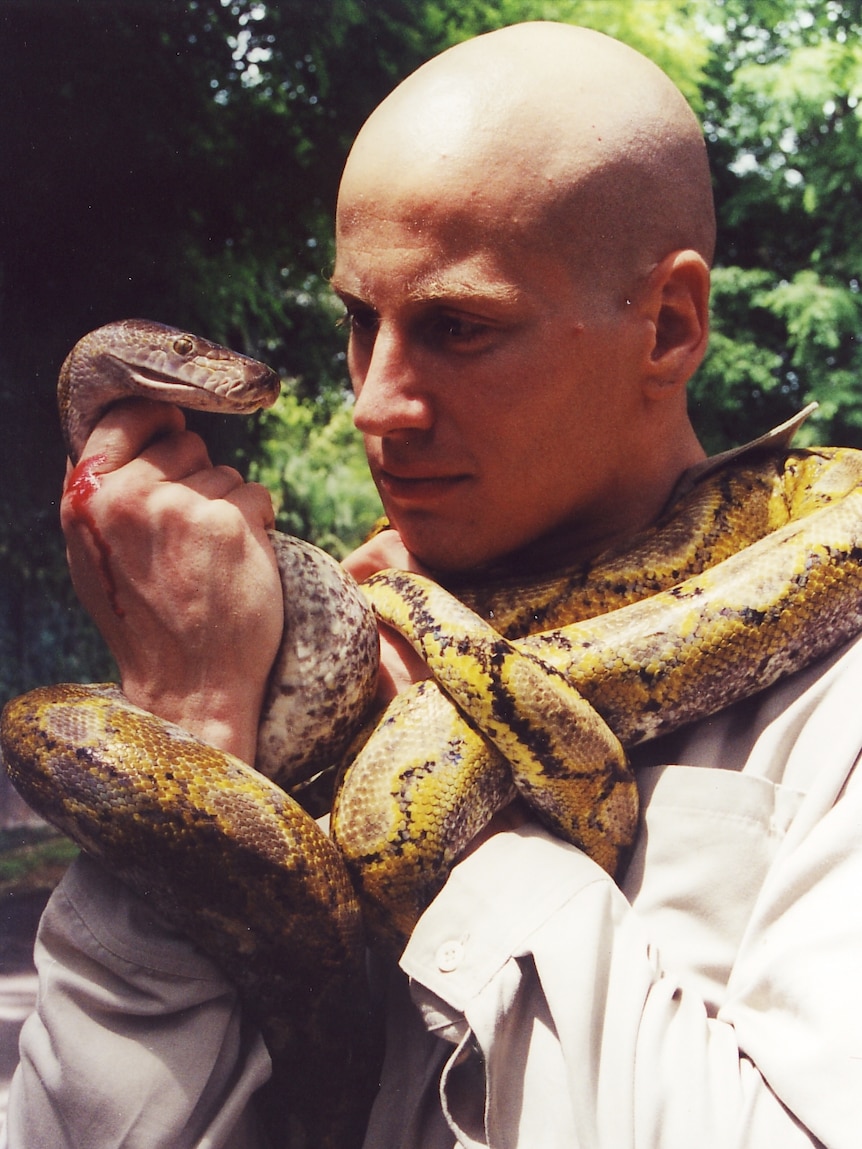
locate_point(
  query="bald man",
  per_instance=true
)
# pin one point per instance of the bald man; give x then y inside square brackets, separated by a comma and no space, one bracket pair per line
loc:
[524,235]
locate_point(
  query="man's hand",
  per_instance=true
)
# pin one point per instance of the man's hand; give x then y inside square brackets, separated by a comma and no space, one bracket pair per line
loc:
[170,556]
[400,665]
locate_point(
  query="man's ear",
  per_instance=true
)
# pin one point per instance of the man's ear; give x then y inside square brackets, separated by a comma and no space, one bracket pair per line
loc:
[676,296]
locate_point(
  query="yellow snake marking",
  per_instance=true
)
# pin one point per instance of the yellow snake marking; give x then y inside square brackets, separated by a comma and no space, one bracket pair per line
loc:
[751,574]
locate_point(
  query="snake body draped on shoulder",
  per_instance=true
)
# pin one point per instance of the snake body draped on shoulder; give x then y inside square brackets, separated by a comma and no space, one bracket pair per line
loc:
[537,688]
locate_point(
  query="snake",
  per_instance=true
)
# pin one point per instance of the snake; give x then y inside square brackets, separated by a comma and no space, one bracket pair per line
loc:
[539,687]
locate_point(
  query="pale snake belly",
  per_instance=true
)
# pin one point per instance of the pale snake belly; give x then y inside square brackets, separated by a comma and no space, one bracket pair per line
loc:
[750,575]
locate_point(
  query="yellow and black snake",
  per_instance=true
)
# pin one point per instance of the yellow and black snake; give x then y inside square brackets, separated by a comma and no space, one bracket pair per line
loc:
[752,573]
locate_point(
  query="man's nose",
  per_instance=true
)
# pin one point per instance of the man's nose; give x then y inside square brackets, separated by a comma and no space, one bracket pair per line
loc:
[391,395]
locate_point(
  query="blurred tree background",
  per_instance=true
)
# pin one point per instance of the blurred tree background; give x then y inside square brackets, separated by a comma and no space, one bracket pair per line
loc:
[179,160]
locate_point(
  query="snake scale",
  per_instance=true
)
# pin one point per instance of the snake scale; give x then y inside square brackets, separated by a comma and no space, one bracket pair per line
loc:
[538,687]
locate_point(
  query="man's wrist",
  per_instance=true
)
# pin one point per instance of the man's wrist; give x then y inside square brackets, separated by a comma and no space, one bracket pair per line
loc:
[229,723]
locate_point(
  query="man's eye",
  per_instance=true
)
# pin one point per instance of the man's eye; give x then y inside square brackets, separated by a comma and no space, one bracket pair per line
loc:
[360,321]
[461,332]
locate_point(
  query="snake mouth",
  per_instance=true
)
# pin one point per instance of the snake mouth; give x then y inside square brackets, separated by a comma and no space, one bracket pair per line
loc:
[241,395]
[146,377]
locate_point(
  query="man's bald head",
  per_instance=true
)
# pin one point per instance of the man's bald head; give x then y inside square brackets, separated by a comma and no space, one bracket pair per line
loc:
[523,234]
[547,133]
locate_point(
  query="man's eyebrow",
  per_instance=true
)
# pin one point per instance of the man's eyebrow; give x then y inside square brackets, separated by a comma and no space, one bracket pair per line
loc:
[433,289]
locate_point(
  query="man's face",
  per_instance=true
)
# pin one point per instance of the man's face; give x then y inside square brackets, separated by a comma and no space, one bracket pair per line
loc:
[494,395]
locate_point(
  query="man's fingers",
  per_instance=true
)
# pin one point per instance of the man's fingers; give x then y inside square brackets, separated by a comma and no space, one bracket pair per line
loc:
[103,481]
[383,552]
[128,428]
[255,502]
[175,455]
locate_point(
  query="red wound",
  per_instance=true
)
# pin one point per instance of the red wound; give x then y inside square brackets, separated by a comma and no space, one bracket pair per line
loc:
[83,483]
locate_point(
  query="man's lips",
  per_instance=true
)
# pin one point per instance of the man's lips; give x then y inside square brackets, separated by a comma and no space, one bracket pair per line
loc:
[407,488]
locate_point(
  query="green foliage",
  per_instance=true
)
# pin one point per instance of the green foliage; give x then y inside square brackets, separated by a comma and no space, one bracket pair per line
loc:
[776,345]
[736,387]
[782,110]
[32,860]
[45,635]
[819,318]
[317,474]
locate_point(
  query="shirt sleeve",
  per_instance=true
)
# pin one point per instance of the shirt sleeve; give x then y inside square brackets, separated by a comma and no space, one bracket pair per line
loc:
[137,1040]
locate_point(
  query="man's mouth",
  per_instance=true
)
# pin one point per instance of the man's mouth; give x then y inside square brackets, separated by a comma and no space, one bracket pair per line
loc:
[417,487]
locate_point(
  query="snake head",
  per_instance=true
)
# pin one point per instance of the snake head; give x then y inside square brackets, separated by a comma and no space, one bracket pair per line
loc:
[138,357]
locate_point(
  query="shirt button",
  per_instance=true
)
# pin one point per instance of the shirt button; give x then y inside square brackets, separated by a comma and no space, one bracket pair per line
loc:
[449,956]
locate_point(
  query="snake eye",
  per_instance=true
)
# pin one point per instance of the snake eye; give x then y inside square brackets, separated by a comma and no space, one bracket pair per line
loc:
[184,345]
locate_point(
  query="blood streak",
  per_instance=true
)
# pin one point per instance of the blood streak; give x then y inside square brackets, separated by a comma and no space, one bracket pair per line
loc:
[83,484]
